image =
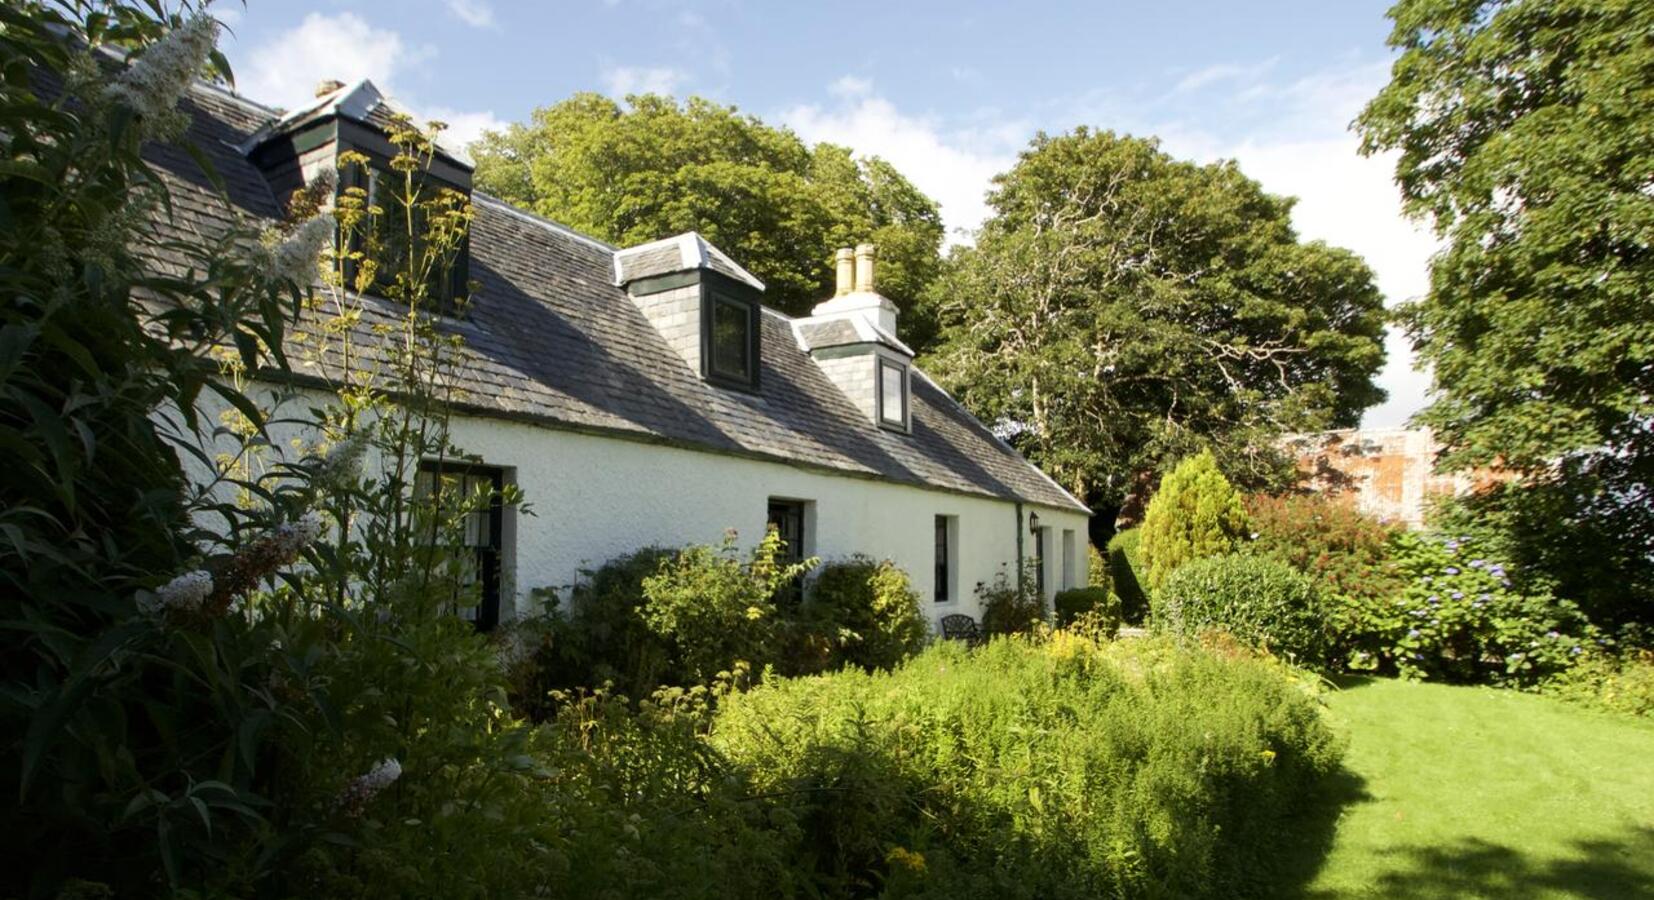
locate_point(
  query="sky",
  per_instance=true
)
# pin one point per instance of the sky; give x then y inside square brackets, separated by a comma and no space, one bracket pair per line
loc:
[948,92]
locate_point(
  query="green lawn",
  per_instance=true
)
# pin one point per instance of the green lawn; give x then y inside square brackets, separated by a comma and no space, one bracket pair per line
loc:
[1473,792]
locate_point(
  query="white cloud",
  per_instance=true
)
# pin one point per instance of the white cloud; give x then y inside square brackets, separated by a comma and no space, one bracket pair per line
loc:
[475,13]
[623,80]
[851,86]
[285,70]
[952,167]
[463,127]
[1221,72]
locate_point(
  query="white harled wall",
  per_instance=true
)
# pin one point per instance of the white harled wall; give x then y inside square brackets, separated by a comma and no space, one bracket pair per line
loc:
[594,498]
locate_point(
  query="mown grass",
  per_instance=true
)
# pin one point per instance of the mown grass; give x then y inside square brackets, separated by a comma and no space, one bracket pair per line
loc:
[1474,792]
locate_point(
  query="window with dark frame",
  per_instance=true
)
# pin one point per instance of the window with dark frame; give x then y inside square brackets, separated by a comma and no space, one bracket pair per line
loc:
[484,527]
[943,563]
[1039,561]
[892,394]
[446,283]
[731,344]
[786,519]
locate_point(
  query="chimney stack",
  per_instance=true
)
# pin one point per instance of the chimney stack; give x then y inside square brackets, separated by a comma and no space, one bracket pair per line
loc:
[846,263]
[329,86]
[864,269]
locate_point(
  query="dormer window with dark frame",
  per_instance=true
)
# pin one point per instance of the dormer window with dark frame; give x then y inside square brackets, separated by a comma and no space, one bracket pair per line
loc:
[892,388]
[391,241]
[730,327]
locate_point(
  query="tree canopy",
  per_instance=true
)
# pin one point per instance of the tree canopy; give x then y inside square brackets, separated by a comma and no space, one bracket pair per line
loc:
[1122,309]
[654,168]
[1524,136]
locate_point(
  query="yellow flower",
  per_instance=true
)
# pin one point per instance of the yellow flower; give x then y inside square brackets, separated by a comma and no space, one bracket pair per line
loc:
[904,858]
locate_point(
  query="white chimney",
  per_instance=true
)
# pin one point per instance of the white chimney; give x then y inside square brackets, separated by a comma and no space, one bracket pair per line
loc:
[854,295]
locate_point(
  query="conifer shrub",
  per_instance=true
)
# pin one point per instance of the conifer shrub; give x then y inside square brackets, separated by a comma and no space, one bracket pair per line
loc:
[1126,574]
[1195,513]
[1257,599]
[1063,767]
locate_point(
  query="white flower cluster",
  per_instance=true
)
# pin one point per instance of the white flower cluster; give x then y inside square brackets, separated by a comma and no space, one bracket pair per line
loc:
[186,593]
[294,259]
[153,85]
[292,537]
[342,466]
[364,787]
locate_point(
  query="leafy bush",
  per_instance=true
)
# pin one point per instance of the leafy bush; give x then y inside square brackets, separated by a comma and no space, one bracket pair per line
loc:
[1096,601]
[860,612]
[1623,684]
[1195,513]
[1010,607]
[715,610]
[597,637]
[1126,576]
[1063,768]
[1346,551]
[1258,599]
[1461,618]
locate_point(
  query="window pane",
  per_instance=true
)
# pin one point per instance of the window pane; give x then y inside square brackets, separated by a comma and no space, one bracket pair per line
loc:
[730,338]
[942,567]
[891,401]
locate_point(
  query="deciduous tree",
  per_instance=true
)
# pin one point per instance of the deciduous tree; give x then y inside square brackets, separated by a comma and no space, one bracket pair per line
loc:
[1122,308]
[1525,137]
[654,168]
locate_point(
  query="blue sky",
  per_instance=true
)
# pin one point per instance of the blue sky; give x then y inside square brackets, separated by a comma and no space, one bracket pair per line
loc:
[949,92]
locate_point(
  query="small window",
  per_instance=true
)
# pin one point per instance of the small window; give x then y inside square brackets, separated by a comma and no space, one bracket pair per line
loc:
[1039,560]
[786,519]
[1069,576]
[892,394]
[731,340]
[484,527]
[391,239]
[944,563]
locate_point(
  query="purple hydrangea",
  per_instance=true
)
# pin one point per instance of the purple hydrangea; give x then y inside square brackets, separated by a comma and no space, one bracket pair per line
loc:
[1433,599]
[1553,634]
[1412,632]
[1477,563]
[1451,570]
[1575,651]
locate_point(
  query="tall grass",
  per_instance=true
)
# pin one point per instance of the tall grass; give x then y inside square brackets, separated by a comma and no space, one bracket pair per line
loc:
[1051,768]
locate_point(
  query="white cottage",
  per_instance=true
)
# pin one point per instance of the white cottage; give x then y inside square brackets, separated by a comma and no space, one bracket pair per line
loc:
[646,396]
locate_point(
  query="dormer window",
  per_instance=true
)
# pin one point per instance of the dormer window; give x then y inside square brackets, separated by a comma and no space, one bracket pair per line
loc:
[731,327]
[892,394]
[391,242]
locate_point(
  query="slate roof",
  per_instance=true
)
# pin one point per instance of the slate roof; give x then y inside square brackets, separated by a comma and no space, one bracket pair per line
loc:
[682,253]
[551,339]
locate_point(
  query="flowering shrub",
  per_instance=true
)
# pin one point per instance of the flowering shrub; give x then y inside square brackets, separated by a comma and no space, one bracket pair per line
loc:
[1257,599]
[1459,618]
[1010,607]
[1346,551]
